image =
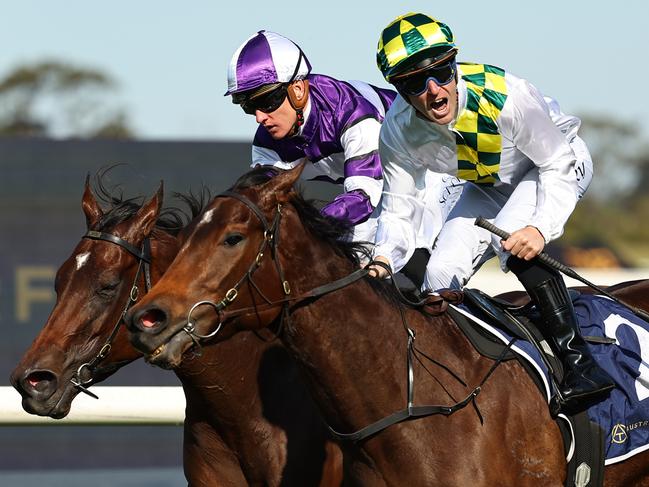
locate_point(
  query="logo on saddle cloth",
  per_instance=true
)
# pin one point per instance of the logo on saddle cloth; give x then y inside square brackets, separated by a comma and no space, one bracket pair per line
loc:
[478,140]
[618,434]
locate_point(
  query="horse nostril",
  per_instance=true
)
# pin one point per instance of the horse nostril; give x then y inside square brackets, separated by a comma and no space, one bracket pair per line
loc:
[41,382]
[151,318]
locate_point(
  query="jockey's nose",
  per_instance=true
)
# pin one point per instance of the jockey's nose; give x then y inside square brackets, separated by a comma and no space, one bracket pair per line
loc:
[433,87]
[260,116]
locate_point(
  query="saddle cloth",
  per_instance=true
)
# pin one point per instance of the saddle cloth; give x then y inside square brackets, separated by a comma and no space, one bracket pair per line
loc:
[624,416]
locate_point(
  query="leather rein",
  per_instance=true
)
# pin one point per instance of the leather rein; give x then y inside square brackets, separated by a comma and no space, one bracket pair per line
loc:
[80,380]
[271,242]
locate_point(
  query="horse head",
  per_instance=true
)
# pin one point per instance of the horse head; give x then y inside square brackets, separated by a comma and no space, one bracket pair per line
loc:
[82,341]
[229,273]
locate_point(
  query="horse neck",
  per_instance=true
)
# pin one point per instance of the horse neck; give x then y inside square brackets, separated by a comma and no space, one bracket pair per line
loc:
[240,401]
[221,381]
[350,342]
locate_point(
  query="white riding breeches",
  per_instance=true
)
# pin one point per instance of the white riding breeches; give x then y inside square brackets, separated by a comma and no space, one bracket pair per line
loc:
[461,247]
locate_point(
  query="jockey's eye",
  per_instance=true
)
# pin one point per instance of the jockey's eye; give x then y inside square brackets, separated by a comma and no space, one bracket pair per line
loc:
[233,239]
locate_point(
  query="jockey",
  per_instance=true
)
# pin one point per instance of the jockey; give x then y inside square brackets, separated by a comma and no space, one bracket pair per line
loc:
[332,124]
[525,168]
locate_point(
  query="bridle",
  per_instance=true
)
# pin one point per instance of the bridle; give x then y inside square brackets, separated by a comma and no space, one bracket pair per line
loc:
[143,256]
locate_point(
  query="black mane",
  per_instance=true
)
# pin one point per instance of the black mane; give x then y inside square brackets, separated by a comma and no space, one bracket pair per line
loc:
[333,231]
[119,209]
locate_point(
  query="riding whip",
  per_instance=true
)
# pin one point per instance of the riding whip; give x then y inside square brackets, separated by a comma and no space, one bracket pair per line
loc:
[555,264]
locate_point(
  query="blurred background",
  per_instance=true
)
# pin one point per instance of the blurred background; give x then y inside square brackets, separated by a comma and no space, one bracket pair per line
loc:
[86,85]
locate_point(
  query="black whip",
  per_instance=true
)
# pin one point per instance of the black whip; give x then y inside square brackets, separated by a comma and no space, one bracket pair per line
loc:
[555,264]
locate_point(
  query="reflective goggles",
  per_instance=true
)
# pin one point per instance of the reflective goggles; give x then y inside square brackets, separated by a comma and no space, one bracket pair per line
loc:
[416,84]
[267,103]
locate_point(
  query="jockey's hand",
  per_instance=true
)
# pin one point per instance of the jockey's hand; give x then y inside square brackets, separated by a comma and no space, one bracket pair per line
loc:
[525,243]
[378,271]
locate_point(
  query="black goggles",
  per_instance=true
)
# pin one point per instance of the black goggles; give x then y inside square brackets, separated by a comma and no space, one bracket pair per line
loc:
[267,103]
[417,83]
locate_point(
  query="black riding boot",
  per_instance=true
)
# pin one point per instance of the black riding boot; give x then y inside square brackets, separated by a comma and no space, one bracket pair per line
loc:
[584,382]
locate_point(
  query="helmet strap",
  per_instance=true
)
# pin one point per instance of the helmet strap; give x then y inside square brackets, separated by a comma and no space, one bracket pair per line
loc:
[298,105]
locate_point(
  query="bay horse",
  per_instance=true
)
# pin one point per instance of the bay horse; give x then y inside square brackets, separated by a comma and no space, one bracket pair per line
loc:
[264,258]
[250,424]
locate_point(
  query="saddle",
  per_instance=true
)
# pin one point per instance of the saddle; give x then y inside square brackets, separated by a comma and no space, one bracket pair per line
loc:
[583,439]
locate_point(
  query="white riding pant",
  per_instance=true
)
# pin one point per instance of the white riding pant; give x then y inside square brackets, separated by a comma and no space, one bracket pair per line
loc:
[461,247]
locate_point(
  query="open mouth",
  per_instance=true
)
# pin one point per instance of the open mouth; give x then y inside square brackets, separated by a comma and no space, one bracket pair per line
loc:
[439,106]
[170,354]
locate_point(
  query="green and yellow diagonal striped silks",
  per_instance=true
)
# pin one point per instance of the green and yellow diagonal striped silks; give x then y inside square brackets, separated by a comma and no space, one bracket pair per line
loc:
[478,139]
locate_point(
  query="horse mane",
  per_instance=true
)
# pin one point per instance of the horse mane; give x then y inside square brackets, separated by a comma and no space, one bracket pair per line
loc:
[119,209]
[332,231]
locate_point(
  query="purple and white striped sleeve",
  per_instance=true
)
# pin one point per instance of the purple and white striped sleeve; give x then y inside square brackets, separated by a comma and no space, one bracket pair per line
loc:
[363,174]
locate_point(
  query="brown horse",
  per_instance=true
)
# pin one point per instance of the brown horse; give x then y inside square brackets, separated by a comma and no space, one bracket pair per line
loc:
[273,259]
[247,422]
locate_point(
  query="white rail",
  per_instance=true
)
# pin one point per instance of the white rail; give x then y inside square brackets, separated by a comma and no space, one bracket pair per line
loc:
[115,406]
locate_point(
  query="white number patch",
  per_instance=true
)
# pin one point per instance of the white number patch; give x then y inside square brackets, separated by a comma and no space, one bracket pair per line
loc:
[611,324]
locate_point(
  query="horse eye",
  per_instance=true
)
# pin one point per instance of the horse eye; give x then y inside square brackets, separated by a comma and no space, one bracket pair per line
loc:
[107,290]
[233,239]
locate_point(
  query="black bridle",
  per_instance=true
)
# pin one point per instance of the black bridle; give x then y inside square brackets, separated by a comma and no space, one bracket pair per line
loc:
[143,257]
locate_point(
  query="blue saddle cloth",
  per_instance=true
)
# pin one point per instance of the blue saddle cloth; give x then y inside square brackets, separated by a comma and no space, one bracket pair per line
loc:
[624,416]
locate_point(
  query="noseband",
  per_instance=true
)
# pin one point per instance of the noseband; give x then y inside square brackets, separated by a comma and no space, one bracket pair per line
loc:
[143,256]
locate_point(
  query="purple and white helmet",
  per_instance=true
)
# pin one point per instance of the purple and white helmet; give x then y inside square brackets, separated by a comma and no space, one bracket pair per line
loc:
[266,58]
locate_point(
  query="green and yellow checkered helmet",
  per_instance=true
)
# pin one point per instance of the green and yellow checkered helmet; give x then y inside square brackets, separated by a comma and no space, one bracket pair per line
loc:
[410,39]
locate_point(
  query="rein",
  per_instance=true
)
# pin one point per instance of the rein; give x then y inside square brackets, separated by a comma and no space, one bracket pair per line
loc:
[271,241]
[143,256]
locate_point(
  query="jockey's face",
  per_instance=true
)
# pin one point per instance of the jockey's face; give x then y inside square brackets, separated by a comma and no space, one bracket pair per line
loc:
[437,104]
[280,122]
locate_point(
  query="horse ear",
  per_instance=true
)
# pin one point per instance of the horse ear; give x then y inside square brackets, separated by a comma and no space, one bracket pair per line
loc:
[147,216]
[282,184]
[90,207]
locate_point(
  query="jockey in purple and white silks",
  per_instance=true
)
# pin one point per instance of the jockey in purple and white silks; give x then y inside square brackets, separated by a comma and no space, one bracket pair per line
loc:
[333,125]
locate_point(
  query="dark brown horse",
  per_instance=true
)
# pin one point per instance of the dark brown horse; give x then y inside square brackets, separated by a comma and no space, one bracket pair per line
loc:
[248,422]
[270,260]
